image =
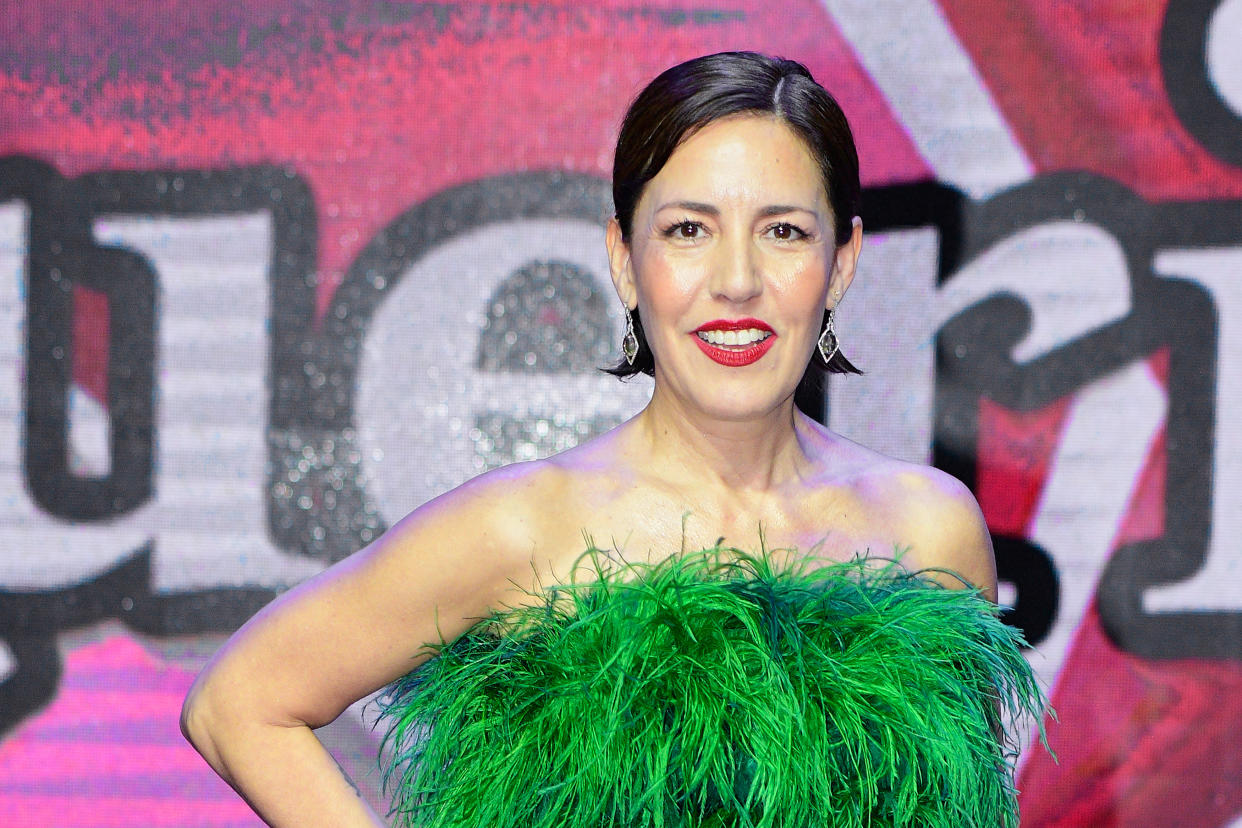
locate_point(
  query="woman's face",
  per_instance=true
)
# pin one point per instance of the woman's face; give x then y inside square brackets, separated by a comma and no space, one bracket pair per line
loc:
[731,263]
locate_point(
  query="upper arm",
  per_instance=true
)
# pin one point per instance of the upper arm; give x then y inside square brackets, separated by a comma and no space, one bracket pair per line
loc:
[363,622]
[948,529]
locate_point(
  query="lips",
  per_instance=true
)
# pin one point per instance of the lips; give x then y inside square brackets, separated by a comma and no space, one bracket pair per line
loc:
[734,342]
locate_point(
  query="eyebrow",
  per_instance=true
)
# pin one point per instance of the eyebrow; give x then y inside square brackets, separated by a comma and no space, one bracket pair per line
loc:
[712,210]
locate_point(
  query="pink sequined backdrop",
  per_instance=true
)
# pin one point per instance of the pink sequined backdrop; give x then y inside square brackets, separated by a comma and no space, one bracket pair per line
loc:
[273,274]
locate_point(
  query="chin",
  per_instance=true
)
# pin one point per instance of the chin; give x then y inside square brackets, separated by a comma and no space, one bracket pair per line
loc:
[741,404]
[730,394]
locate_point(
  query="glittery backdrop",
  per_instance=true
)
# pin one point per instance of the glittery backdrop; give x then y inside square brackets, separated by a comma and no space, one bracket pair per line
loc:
[272,275]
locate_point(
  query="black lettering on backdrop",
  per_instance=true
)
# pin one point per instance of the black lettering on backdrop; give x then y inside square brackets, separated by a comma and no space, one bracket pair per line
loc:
[381,265]
[62,254]
[1187,79]
[1188,324]
[974,362]
[1020,563]
[1028,567]
[321,411]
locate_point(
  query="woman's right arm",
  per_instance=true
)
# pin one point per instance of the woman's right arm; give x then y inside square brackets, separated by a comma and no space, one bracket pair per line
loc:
[347,632]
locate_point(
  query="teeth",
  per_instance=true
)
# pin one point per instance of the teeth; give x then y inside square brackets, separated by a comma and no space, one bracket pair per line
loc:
[746,337]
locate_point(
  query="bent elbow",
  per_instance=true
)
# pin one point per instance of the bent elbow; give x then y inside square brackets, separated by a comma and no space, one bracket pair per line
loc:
[198,723]
[191,727]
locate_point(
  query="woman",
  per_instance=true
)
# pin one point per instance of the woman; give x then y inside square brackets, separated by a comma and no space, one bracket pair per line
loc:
[735,237]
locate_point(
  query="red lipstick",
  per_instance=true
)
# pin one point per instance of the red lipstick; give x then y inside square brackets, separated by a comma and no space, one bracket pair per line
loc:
[735,356]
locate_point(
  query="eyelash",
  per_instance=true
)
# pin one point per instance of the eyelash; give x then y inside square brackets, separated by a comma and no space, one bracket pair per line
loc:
[671,231]
[800,233]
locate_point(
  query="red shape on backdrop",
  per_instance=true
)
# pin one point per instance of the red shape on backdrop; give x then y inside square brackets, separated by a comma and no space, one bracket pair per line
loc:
[389,108]
[90,342]
[1080,85]
[1014,450]
[1138,743]
[1142,744]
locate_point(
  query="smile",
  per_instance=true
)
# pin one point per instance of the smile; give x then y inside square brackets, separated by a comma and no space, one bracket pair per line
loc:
[735,343]
[744,337]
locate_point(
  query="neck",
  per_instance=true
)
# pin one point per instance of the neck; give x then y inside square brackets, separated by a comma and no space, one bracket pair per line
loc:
[756,453]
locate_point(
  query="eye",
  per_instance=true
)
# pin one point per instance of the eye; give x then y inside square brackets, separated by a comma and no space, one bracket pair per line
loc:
[685,230]
[784,231]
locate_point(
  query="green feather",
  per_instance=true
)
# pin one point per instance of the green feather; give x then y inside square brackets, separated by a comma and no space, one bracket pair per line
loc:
[717,689]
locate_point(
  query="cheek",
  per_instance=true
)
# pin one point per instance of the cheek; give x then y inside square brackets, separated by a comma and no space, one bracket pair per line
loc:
[667,289]
[802,285]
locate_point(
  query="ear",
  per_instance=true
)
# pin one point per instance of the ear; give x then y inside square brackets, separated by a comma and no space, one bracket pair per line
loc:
[620,264]
[845,264]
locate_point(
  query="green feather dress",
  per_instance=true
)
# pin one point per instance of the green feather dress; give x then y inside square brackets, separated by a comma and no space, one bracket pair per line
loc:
[717,689]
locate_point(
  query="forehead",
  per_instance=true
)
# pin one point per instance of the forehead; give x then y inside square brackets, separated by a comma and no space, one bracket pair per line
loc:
[742,157]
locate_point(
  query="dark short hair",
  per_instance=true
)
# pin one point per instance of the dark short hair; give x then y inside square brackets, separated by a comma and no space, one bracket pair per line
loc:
[689,96]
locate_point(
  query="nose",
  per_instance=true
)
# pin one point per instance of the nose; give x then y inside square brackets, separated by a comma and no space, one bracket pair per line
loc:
[736,273]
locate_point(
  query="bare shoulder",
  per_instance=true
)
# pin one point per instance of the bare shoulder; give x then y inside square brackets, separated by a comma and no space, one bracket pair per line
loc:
[939,519]
[454,558]
[928,513]
[498,513]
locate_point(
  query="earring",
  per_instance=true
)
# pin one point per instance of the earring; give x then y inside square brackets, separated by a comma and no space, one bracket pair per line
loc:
[828,343]
[629,342]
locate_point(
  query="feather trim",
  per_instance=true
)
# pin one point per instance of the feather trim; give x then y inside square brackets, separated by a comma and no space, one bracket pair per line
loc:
[717,689]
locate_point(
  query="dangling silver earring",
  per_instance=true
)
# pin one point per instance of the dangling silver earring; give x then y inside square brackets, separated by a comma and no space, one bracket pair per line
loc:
[629,342]
[828,343]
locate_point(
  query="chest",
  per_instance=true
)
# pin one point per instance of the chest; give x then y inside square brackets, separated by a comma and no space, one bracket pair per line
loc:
[651,526]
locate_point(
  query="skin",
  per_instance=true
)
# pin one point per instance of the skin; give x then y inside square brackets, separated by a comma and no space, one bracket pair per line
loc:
[737,224]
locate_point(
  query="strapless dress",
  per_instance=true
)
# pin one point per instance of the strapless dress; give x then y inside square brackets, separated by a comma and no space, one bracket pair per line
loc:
[717,689]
